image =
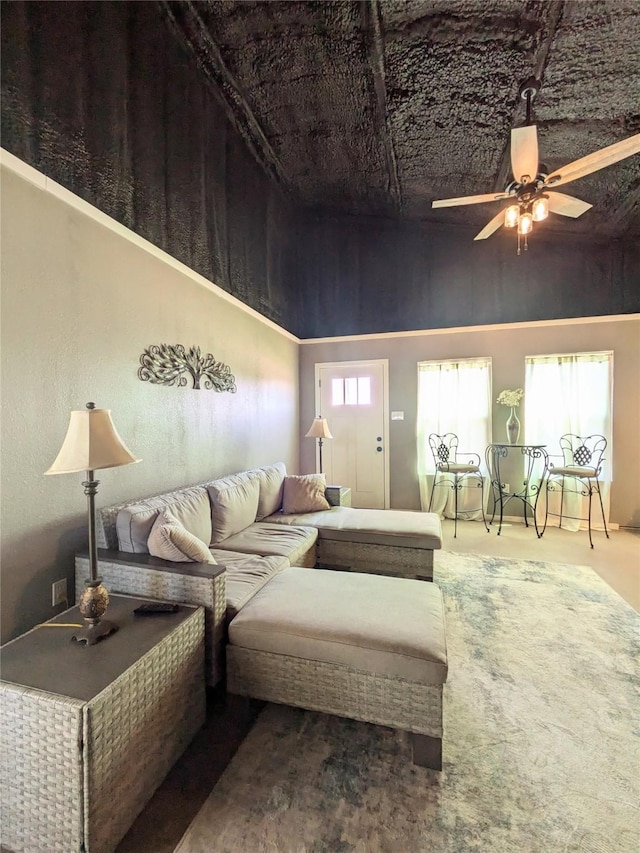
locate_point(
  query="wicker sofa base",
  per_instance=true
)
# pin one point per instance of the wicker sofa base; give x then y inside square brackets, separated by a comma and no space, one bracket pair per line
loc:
[188,583]
[375,559]
[345,692]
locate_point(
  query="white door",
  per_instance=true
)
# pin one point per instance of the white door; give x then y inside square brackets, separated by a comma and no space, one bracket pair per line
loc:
[352,396]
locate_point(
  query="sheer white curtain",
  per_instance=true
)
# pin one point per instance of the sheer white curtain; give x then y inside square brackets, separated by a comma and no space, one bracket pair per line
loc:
[453,396]
[570,393]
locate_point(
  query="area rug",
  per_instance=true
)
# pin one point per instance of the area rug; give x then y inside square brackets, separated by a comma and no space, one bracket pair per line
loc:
[541,744]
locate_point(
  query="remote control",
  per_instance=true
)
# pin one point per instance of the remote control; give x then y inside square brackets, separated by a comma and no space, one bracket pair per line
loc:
[152,608]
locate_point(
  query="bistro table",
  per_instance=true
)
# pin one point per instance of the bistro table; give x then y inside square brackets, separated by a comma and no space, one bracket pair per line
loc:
[536,459]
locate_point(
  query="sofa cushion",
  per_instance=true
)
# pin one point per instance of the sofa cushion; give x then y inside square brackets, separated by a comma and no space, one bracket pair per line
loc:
[170,540]
[234,504]
[397,527]
[388,626]
[190,506]
[291,541]
[271,479]
[304,493]
[245,575]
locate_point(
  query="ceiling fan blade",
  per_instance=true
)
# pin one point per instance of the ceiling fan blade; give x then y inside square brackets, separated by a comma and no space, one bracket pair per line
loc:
[597,160]
[469,199]
[524,153]
[491,226]
[567,205]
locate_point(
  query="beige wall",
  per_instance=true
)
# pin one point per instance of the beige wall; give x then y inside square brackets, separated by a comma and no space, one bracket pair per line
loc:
[507,347]
[80,302]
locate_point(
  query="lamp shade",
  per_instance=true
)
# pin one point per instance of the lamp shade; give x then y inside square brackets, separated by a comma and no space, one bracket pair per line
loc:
[540,208]
[511,215]
[92,442]
[319,429]
[525,223]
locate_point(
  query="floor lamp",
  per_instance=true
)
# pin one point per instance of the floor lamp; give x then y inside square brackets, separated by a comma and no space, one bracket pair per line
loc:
[91,443]
[320,430]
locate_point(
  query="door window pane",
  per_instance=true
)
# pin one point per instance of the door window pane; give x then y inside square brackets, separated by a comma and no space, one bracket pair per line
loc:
[352,391]
[337,392]
[364,391]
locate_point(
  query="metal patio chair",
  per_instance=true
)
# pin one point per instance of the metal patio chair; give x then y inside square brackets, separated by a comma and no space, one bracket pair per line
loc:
[578,473]
[454,474]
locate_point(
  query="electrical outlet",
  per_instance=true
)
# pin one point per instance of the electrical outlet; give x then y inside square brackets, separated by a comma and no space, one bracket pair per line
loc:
[59,592]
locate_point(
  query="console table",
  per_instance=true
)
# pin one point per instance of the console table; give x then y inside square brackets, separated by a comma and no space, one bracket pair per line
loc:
[87,733]
[534,456]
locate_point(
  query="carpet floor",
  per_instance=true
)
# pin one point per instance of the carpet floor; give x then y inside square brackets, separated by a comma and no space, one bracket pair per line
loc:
[541,745]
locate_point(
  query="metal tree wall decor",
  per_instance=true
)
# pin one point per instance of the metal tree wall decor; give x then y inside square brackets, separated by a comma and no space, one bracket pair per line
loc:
[169,364]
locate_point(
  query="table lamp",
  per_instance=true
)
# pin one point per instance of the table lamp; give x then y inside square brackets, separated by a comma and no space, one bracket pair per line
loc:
[319,429]
[91,443]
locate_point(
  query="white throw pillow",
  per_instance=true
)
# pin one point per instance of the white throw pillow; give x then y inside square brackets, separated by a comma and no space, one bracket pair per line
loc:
[170,540]
[304,493]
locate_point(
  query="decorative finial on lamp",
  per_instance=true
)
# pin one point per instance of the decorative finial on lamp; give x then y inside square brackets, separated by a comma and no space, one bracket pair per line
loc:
[91,443]
[319,429]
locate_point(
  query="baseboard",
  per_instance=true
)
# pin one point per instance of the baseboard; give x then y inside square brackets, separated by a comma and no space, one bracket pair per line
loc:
[519,519]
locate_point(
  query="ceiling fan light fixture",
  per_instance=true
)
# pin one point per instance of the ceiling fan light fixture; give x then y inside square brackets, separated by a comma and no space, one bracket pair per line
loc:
[511,215]
[525,223]
[531,179]
[540,208]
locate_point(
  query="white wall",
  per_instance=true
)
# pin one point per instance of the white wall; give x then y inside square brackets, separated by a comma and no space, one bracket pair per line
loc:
[81,299]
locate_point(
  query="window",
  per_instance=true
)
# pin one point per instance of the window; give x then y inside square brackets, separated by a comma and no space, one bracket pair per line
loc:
[453,396]
[355,391]
[568,393]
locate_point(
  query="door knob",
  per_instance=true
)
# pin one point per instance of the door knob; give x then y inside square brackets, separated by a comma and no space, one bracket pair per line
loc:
[379,438]
[379,449]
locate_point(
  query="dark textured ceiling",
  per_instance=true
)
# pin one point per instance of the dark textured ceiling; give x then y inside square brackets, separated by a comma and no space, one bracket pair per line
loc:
[380,107]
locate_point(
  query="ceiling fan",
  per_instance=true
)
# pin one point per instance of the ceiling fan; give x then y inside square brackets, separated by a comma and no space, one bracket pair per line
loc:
[529,190]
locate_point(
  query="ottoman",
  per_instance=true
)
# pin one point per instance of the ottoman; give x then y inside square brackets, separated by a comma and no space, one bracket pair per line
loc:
[363,646]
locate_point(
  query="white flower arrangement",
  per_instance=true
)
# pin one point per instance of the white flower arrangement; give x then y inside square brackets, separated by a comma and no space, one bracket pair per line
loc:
[510,398]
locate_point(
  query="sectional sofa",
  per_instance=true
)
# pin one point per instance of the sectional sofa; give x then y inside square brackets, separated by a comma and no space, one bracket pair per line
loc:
[218,543]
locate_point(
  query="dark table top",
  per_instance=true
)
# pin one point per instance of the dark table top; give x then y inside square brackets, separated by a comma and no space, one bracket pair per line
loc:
[46,658]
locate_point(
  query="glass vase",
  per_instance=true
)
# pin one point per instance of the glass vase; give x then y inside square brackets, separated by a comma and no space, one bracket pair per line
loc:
[513,427]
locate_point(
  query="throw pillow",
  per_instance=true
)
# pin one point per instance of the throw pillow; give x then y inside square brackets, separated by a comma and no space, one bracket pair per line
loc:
[170,540]
[304,493]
